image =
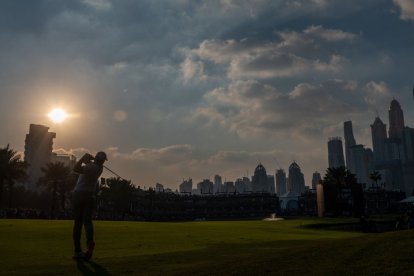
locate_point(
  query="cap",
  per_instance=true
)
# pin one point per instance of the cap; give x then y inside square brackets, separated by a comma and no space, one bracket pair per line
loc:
[101,156]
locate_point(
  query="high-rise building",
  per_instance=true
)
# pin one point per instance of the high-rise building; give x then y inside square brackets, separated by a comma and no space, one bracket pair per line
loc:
[379,135]
[217,183]
[228,187]
[335,153]
[349,140]
[408,144]
[186,187]
[271,184]
[247,184]
[280,182]
[361,163]
[316,179]
[396,120]
[37,152]
[205,187]
[388,152]
[240,186]
[296,180]
[408,159]
[259,182]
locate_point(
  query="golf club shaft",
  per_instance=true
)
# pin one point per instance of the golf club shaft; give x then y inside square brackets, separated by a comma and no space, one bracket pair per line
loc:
[114,173]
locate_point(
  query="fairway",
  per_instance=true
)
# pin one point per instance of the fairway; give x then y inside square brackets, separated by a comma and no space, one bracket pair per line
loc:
[204,248]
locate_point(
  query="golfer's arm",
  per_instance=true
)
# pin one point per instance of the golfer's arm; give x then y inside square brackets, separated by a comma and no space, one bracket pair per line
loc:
[78,166]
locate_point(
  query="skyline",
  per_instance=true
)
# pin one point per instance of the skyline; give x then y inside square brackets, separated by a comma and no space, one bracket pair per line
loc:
[179,89]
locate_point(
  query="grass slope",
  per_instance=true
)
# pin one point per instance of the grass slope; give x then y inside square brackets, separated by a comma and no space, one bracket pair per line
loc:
[243,247]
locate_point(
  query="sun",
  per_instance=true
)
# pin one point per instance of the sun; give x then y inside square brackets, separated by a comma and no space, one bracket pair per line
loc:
[57,115]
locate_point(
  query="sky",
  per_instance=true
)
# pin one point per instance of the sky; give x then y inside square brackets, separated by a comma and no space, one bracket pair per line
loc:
[173,89]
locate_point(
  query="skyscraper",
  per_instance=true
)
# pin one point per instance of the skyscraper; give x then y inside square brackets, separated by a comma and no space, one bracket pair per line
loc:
[259,181]
[335,153]
[271,184]
[37,152]
[361,163]
[396,120]
[240,185]
[205,187]
[379,135]
[349,140]
[408,160]
[316,178]
[280,182]
[218,184]
[186,186]
[408,144]
[296,180]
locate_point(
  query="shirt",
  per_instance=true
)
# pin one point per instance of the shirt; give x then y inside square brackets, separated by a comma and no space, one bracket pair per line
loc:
[88,178]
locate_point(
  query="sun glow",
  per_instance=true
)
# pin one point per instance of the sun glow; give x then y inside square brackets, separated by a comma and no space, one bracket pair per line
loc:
[57,115]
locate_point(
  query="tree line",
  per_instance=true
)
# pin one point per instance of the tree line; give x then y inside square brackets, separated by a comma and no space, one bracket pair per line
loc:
[342,192]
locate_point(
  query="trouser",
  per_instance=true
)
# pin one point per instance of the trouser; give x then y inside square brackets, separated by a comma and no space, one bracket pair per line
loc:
[83,206]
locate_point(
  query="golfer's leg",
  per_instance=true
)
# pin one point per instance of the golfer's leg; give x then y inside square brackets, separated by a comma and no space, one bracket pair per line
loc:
[78,221]
[87,220]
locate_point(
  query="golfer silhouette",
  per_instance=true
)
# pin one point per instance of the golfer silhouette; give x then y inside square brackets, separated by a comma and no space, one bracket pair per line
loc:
[89,169]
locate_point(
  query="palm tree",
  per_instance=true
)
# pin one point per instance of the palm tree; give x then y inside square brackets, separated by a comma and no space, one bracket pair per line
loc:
[55,177]
[341,177]
[334,181]
[375,176]
[12,170]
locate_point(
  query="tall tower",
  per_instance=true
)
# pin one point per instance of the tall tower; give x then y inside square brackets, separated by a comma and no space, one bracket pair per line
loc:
[379,136]
[335,153]
[296,180]
[259,181]
[271,184]
[218,184]
[349,141]
[280,182]
[361,164]
[396,120]
[37,152]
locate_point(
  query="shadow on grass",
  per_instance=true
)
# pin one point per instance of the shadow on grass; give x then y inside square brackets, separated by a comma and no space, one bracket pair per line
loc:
[91,268]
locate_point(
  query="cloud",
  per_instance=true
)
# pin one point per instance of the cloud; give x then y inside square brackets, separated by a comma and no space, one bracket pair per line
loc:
[252,109]
[192,69]
[406,8]
[78,152]
[377,93]
[295,53]
[168,155]
[332,35]
[100,5]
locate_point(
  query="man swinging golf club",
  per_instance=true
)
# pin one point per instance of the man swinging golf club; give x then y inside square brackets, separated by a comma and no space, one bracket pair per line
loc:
[89,169]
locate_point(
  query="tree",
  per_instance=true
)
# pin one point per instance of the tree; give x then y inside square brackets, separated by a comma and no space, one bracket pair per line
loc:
[120,193]
[12,170]
[55,178]
[336,180]
[375,176]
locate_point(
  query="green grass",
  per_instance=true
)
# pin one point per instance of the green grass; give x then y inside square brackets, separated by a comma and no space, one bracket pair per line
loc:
[39,247]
